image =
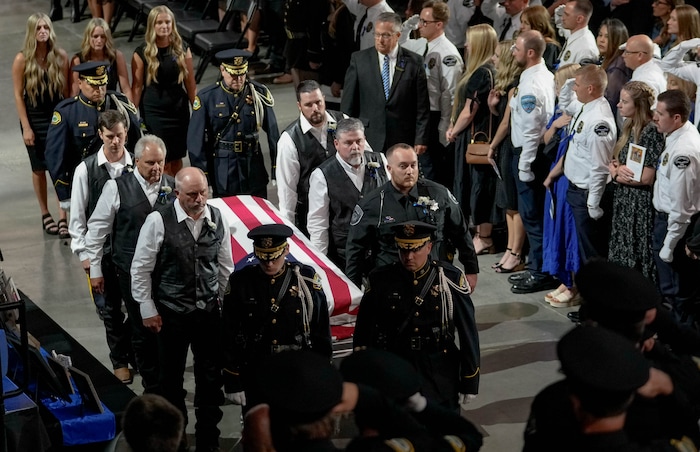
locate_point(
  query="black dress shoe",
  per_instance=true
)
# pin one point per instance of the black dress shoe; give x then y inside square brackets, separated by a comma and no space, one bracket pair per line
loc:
[574,316]
[535,284]
[519,277]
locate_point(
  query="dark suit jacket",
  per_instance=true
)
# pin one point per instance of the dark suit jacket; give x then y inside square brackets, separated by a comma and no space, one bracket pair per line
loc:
[403,118]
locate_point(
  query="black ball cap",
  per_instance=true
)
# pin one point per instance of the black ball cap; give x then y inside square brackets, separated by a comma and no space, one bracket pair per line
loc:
[601,359]
[392,375]
[614,293]
[300,386]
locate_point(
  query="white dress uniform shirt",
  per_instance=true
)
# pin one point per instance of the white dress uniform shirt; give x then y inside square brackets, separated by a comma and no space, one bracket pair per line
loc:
[147,248]
[288,165]
[590,150]
[318,222]
[651,74]
[580,45]
[367,31]
[531,107]
[101,222]
[497,13]
[676,189]
[80,194]
[443,65]
[673,64]
[456,27]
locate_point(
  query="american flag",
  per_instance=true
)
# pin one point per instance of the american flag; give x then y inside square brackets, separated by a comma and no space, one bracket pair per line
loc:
[244,213]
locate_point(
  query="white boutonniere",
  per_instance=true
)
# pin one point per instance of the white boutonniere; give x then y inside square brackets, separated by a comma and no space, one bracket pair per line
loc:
[163,194]
[332,126]
[373,167]
[211,225]
[426,203]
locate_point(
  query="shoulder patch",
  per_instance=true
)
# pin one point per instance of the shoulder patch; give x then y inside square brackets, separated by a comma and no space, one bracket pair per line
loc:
[56,118]
[197,104]
[681,162]
[452,197]
[528,102]
[601,129]
[357,214]
[449,60]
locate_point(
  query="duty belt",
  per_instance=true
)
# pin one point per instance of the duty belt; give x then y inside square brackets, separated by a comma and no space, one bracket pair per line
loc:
[237,146]
[423,342]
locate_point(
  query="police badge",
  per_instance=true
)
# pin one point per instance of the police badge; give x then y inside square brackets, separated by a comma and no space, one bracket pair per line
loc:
[431,63]
[579,129]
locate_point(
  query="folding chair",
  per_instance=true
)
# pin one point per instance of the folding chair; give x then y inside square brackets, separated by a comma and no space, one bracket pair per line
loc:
[182,10]
[211,43]
[190,28]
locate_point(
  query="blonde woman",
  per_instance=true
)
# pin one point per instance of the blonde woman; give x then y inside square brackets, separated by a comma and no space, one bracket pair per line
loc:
[478,185]
[98,45]
[40,82]
[163,83]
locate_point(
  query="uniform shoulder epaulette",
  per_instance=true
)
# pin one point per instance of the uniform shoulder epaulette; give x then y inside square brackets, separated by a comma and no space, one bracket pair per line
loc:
[311,276]
[263,93]
[208,89]
[68,101]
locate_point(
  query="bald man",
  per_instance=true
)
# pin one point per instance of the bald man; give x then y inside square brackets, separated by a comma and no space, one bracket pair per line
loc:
[639,56]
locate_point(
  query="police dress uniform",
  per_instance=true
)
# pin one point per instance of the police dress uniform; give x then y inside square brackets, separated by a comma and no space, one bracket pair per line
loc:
[580,45]
[370,240]
[73,136]
[223,139]
[265,315]
[417,315]
[677,202]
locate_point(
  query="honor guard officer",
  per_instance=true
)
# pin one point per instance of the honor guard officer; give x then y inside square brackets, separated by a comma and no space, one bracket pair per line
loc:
[414,308]
[223,139]
[273,305]
[73,133]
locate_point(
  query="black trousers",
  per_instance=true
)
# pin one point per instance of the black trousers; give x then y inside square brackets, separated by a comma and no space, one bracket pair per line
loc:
[200,331]
[143,342]
[109,308]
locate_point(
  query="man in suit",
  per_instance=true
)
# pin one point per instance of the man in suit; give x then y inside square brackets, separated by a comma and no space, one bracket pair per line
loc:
[392,99]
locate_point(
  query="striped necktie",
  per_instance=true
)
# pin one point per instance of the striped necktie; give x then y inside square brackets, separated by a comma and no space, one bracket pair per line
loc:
[385,76]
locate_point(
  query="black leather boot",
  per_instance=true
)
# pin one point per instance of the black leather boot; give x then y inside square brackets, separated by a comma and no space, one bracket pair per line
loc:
[75,11]
[56,12]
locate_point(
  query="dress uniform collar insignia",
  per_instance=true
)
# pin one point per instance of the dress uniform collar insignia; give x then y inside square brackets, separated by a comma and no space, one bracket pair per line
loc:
[418,274]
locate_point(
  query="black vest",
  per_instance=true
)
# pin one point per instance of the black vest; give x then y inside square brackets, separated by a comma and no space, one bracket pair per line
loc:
[134,207]
[187,271]
[343,196]
[311,155]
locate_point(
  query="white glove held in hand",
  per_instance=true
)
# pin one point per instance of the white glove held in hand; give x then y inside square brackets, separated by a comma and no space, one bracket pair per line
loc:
[465,399]
[65,205]
[595,212]
[236,397]
[416,403]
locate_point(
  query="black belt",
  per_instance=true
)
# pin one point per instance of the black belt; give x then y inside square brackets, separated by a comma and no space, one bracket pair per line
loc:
[237,146]
[423,342]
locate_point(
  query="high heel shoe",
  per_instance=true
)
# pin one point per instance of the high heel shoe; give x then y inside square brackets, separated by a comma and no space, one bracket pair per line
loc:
[499,264]
[516,268]
[486,247]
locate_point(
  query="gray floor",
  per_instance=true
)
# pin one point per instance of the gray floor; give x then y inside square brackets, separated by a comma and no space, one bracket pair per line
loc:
[518,332]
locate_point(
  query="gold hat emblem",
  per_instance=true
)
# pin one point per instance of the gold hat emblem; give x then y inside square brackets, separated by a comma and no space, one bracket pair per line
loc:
[266,242]
[100,70]
[237,61]
[409,230]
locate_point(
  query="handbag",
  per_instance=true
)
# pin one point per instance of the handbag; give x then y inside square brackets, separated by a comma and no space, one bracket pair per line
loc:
[478,151]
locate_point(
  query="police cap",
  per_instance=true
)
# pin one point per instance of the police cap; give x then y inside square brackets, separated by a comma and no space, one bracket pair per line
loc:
[269,240]
[390,374]
[299,386]
[615,294]
[93,72]
[412,235]
[600,359]
[234,61]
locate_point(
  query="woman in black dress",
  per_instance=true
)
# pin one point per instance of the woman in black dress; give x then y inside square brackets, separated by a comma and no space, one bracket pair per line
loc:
[471,114]
[98,45]
[163,84]
[40,81]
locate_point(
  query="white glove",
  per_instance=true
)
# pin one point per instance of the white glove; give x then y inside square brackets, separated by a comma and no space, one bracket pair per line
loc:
[465,399]
[656,53]
[558,15]
[595,212]
[237,398]
[690,44]
[416,403]
[666,254]
[65,205]
[411,23]
[526,176]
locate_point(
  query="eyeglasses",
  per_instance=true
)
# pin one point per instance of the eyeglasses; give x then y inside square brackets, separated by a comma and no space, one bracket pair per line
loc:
[629,52]
[382,36]
[424,22]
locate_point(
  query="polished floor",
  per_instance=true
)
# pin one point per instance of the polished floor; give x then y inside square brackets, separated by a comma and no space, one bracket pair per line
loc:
[518,332]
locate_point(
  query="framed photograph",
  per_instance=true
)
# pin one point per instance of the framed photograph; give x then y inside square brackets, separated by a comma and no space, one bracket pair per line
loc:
[47,380]
[62,374]
[87,392]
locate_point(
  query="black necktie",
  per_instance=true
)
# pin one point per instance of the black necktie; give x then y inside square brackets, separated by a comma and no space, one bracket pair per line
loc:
[506,26]
[358,33]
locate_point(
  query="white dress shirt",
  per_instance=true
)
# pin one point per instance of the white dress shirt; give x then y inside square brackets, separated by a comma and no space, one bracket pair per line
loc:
[392,64]
[367,32]
[318,222]
[101,222]
[80,196]
[288,166]
[580,45]
[651,74]
[456,27]
[149,244]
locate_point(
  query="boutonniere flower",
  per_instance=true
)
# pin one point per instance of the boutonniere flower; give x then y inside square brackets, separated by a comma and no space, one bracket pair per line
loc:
[332,126]
[401,65]
[129,169]
[426,203]
[211,225]
[163,194]
[373,167]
